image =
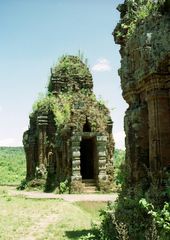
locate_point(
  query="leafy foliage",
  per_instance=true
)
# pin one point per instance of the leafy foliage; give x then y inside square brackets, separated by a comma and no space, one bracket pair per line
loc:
[161,217]
[89,236]
[134,216]
[64,187]
[23,185]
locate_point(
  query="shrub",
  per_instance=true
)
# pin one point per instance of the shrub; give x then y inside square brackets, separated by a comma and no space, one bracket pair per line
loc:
[23,185]
[161,217]
[64,187]
[135,217]
[107,228]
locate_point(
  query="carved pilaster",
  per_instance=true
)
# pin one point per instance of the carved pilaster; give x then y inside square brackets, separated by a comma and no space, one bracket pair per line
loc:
[42,124]
[76,158]
[159,128]
[101,149]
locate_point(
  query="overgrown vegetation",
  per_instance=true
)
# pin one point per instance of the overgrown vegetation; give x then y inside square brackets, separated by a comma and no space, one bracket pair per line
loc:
[71,71]
[69,68]
[133,13]
[139,213]
[69,102]
[59,106]
[161,217]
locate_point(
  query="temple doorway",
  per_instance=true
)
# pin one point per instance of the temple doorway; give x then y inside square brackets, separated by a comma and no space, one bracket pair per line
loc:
[88,158]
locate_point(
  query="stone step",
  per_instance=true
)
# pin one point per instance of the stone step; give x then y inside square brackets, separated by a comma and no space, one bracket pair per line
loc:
[90,189]
[89,185]
[89,182]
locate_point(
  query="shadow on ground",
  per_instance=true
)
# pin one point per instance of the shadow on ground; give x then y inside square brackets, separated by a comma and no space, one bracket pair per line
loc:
[77,234]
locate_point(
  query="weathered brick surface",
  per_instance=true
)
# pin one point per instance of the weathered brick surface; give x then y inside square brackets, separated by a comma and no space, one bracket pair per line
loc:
[145,81]
[77,146]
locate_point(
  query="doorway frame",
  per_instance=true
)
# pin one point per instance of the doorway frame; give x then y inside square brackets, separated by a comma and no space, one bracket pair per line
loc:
[94,156]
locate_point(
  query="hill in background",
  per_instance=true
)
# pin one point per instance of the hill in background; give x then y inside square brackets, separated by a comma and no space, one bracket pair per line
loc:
[12,165]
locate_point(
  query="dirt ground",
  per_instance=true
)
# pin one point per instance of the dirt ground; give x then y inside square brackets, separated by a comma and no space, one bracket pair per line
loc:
[65,197]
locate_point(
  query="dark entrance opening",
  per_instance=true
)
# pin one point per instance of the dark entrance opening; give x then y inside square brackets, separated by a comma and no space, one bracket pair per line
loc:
[87,158]
[87,127]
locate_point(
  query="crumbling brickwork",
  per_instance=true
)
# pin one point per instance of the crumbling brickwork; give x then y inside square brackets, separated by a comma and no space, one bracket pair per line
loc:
[70,133]
[144,36]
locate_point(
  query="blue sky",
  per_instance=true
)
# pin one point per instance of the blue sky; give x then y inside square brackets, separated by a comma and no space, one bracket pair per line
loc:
[33,35]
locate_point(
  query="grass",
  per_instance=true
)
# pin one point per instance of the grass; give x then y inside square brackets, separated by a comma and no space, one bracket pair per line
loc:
[92,208]
[49,219]
[39,219]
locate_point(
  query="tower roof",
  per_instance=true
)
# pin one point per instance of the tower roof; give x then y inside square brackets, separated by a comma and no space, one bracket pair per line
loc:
[70,74]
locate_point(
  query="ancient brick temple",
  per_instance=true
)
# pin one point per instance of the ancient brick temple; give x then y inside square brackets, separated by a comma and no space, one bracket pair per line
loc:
[70,133]
[145,81]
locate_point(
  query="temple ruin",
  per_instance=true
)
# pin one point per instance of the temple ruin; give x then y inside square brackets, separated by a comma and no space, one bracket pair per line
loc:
[143,34]
[70,132]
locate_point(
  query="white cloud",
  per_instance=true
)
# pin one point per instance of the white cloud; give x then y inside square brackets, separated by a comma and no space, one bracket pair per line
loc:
[102,65]
[9,142]
[119,138]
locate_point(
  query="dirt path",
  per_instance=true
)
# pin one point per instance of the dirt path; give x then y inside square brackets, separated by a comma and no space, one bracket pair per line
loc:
[39,228]
[65,197]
